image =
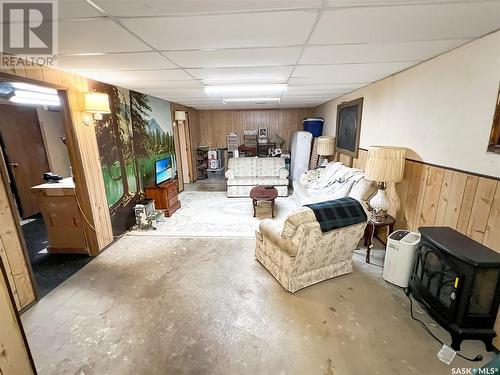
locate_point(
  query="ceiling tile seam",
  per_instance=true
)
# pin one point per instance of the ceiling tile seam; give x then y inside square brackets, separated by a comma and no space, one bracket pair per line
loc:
[243,67]
[117,22]
[162,51]
[304,45]
[277,10]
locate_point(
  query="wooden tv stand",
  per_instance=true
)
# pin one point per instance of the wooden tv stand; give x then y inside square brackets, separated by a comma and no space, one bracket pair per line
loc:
[165,196]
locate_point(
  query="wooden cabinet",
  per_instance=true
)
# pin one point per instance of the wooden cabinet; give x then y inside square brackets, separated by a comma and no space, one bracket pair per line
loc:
[62,217]
[165,196]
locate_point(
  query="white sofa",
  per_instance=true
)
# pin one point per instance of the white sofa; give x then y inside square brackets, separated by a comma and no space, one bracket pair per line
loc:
[243,174]
[333,182]
[299,254]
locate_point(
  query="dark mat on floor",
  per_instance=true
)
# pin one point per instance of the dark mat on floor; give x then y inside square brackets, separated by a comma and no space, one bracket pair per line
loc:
[50,270]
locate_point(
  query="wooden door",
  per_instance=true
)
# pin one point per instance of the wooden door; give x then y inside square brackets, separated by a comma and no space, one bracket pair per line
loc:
[25,153]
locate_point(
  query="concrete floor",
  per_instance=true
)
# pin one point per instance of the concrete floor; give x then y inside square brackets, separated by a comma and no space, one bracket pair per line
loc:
[163,305]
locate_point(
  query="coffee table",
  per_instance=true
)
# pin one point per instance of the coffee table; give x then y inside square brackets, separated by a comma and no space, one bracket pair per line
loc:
[263,193]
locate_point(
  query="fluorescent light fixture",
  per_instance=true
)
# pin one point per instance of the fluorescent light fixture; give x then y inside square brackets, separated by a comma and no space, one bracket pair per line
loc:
[245,100]
[25,93]
[233,89]
[34,88]
[20,100]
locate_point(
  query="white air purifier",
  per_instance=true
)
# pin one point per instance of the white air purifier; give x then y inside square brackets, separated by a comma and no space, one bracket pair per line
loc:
[401,246]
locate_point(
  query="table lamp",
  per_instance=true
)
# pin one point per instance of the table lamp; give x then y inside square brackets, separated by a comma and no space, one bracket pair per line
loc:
[384,164]
[326,147]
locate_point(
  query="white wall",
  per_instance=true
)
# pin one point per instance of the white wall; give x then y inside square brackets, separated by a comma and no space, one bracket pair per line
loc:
[441,110]
[52,127]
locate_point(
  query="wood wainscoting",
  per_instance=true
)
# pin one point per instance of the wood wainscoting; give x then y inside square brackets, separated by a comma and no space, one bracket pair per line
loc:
[437,196]
[216,124]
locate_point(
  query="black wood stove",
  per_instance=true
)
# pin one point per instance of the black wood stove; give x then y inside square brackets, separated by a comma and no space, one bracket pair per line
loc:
[458,281]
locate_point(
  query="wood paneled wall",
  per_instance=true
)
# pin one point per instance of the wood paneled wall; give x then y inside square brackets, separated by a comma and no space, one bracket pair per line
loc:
[15,358]
[215,125]
[87,173]
[437,196]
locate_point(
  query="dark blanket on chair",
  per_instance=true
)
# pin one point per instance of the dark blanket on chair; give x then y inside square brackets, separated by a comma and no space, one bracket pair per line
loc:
[338,213]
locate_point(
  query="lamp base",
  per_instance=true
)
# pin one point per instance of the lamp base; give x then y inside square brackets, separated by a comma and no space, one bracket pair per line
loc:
[380,204]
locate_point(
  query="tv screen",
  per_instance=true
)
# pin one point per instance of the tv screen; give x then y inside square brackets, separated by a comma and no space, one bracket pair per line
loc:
[163,170]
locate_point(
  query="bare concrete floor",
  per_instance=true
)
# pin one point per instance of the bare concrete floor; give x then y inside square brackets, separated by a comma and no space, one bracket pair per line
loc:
[162,305]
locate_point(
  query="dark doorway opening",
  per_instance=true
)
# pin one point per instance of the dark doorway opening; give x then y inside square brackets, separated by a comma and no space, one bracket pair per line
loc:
[32,142]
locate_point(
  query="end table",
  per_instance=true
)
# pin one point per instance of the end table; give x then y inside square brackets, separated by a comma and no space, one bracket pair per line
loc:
[370,230]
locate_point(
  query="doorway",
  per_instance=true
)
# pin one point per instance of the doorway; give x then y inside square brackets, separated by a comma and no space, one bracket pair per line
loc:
[185,150]
[32,142]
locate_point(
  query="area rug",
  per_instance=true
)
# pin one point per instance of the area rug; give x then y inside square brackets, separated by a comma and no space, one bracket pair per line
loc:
[212,214]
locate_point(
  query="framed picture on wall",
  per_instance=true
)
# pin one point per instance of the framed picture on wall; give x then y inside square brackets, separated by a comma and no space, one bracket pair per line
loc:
[348,127]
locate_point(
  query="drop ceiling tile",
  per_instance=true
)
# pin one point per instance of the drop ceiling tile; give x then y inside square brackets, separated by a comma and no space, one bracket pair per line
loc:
[70,9]
[348,73]
[240,75]
[235,57]
[119,61]
[158,7]
[346,3]
[129,76]
[224,31]
[378,52]
[96,36]
[406,23]
[165,84]
[335,87]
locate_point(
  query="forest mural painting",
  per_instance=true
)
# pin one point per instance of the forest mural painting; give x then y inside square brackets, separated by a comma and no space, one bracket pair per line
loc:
[136,133]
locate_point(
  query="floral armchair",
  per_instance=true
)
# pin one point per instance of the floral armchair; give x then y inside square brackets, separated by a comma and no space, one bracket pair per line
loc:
[299,254]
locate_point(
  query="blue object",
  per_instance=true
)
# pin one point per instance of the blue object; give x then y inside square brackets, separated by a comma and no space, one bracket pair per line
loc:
[313,125]
[163,170]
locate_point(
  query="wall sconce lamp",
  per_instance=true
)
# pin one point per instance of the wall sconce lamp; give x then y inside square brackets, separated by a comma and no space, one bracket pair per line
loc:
[180,116]
[96,103]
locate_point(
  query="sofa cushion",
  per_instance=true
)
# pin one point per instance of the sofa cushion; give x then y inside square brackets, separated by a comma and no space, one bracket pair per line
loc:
[264,180]
[269,166]
[243,167]
[363,190]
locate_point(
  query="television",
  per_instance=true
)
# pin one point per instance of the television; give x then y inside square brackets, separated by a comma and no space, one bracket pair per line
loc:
[164,170]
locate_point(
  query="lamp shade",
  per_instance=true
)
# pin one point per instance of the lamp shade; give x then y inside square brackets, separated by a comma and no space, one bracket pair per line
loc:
[97,102]
[180,116]
[385,164]
[326,146]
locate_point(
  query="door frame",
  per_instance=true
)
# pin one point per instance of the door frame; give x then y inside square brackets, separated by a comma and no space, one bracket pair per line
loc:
[81,187]
[185,142]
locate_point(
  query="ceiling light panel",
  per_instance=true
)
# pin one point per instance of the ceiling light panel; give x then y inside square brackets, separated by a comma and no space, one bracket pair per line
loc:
[235,57]
[224,31]
[387,24]
[96,36]
[119,61]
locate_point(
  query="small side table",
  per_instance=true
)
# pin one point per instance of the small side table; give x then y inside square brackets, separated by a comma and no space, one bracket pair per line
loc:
[370,230]
[263,193]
